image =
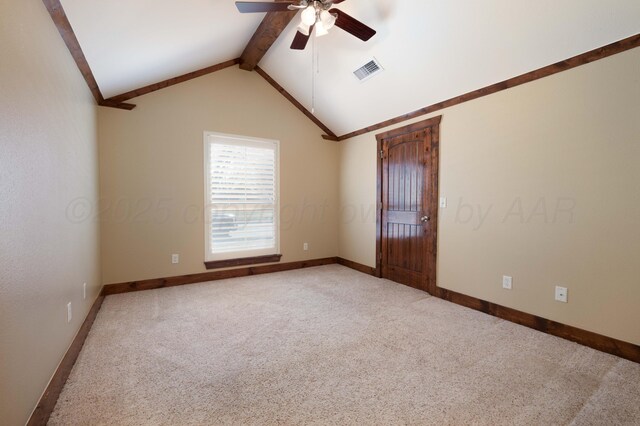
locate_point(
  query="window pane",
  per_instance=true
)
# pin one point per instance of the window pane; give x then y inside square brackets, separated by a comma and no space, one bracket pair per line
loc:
[241,174]
[235,230]
[242,197]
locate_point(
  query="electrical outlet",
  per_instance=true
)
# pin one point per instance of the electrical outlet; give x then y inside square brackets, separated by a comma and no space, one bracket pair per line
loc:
[305,246]
[69,313]
[175,258]
[84,291]
[562,294]
[507,282]
[443,202]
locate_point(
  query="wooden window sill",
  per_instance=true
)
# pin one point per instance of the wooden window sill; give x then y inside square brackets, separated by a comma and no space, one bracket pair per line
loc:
[227,263]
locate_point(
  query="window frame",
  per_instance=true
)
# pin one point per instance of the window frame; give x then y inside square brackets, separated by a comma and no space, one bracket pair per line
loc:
[245,257]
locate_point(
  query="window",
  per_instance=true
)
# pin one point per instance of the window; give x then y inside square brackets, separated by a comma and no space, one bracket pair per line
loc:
[241,196]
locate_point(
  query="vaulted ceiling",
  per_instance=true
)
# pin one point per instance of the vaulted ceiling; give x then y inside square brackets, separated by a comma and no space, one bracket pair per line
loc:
[431,50]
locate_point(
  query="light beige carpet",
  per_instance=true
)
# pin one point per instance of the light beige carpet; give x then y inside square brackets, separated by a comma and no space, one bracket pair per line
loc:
[329,345]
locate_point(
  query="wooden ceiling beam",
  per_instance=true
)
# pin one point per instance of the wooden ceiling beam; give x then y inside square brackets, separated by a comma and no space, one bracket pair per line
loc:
[268,31]
[172,81]
[61,21]
[63,25]
[619,46]
[329,134]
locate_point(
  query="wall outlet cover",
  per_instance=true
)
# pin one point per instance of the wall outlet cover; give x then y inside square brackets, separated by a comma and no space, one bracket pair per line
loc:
[507,282]
[562,294]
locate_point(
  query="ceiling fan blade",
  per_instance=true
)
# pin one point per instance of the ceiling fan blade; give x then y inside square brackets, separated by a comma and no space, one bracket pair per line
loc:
[353,26]
[300,40]
[337,1]
[263,6]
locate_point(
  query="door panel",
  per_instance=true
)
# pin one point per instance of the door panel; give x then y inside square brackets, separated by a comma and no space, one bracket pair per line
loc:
[406,191]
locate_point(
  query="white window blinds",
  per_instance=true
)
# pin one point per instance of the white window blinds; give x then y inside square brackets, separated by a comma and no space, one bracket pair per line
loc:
[242,197]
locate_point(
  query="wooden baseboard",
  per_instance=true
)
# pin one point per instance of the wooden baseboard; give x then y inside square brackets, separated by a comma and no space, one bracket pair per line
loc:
[47,402]
[358,266]
[231,263]
[587,338]
[212,276]
[154,283]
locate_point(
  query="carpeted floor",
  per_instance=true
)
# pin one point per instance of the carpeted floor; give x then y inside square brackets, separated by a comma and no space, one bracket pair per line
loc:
[329,345]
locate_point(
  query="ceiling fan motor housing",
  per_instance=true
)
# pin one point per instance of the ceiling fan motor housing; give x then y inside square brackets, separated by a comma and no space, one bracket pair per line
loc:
[317,15]
[317,4]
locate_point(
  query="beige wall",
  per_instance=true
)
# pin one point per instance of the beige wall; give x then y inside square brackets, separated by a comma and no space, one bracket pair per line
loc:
[48,158]
[152,174]
[543,184]
[571,138]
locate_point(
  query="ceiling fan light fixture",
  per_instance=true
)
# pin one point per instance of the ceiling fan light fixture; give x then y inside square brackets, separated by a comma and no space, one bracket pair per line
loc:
[301,5]
[304,28]
[308,16]
[313,13]
[321,29]
[327,19]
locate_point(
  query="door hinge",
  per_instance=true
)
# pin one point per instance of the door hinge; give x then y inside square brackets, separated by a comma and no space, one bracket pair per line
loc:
[381,154]
[380,255]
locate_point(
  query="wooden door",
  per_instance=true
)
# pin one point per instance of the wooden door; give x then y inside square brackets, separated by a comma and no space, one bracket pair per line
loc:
[408,207]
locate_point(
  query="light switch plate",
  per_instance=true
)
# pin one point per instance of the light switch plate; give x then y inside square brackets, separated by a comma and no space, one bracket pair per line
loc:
[443,202]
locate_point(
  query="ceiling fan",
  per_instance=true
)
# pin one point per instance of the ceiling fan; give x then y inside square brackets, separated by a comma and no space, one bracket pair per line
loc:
[316,14]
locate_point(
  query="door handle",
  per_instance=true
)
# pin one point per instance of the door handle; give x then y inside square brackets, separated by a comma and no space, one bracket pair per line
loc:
[425,219]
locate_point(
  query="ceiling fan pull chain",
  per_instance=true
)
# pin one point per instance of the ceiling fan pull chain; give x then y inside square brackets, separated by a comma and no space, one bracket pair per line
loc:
[318,60]
[313,75]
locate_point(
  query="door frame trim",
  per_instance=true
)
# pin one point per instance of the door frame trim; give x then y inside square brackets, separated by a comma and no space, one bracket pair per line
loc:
[434,124]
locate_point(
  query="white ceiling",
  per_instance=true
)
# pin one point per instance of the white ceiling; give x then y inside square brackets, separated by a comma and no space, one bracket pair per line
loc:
[431,50]
[133,43]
